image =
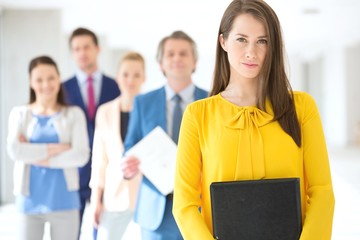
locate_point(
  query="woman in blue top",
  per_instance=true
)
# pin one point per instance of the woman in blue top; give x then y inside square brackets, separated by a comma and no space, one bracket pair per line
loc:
[48,142]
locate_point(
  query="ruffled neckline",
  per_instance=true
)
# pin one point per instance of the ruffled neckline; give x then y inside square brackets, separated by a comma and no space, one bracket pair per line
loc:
[247,121]
[245,113]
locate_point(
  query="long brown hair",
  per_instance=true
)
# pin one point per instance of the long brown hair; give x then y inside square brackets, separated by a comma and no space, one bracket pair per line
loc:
[274,83]
[47,61]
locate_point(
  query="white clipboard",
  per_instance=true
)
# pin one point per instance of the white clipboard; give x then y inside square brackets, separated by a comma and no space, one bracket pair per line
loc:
[157,155]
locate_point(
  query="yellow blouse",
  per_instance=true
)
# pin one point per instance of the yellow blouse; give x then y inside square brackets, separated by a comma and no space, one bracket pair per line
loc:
[220,141]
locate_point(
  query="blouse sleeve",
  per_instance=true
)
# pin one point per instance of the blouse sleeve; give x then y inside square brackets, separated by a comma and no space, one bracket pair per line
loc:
[99,156]
[320,205]
[18,151]
[79,153]
[187,181]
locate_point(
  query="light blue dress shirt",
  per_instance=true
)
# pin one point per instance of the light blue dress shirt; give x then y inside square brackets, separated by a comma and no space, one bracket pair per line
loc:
[187,97]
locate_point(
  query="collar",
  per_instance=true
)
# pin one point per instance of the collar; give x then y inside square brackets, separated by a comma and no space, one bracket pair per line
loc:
[186,93]
[82,76]
[249,116]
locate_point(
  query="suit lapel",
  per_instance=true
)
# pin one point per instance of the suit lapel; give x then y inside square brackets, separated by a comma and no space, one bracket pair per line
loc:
[103,88]
[162,107]
[199,94]
[78,100]
[113,118]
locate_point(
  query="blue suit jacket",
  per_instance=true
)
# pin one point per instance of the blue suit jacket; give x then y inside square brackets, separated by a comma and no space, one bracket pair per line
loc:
[109,91]
[148,112]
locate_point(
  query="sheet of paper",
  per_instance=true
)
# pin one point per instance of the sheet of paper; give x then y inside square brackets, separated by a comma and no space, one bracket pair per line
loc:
[157,153]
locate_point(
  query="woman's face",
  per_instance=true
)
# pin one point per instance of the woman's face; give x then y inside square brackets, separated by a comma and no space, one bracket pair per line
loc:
[45,81]
[130,77]
[246,46]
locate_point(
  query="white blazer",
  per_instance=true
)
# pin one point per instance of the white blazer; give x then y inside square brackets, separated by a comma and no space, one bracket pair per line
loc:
[70,125]
[119,194]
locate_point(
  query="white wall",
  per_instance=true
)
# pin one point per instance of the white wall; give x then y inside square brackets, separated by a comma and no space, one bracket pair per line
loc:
[2,106]
[352,71]
[330,74]
[334,92]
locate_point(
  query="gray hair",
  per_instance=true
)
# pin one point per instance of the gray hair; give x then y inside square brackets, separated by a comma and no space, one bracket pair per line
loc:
[176,35]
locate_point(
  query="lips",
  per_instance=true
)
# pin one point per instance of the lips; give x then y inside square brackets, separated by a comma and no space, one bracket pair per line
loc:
[178,66]
[250,65]
[47,92]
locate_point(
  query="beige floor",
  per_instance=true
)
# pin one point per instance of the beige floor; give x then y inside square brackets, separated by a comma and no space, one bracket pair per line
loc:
[345,165]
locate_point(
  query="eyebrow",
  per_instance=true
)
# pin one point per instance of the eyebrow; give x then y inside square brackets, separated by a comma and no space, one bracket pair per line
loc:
[244,35]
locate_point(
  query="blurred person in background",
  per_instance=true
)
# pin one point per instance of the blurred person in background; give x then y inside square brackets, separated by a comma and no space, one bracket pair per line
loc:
[48,142]
[177,56]
[113,198]
[88,89]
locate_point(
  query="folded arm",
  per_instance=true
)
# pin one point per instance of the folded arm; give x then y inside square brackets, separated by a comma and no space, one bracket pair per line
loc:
[60,155]
[79,152]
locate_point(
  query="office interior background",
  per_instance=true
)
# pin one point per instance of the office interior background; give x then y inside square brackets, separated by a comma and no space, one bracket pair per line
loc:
[322,40]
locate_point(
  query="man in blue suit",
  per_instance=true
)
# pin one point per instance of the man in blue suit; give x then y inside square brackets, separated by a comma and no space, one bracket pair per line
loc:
[88,89]
[177,56]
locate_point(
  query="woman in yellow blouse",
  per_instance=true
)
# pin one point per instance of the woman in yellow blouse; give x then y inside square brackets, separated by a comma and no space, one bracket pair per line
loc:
[252,127]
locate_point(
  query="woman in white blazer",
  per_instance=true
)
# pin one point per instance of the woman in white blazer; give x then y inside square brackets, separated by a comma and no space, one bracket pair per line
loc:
[113,198]
[48,142]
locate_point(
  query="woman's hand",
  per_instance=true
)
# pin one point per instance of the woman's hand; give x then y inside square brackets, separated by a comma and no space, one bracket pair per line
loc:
[130,166]
[22,139]
[56,148]
[98,209]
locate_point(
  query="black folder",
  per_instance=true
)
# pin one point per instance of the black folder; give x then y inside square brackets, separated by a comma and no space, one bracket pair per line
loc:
[265,209]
